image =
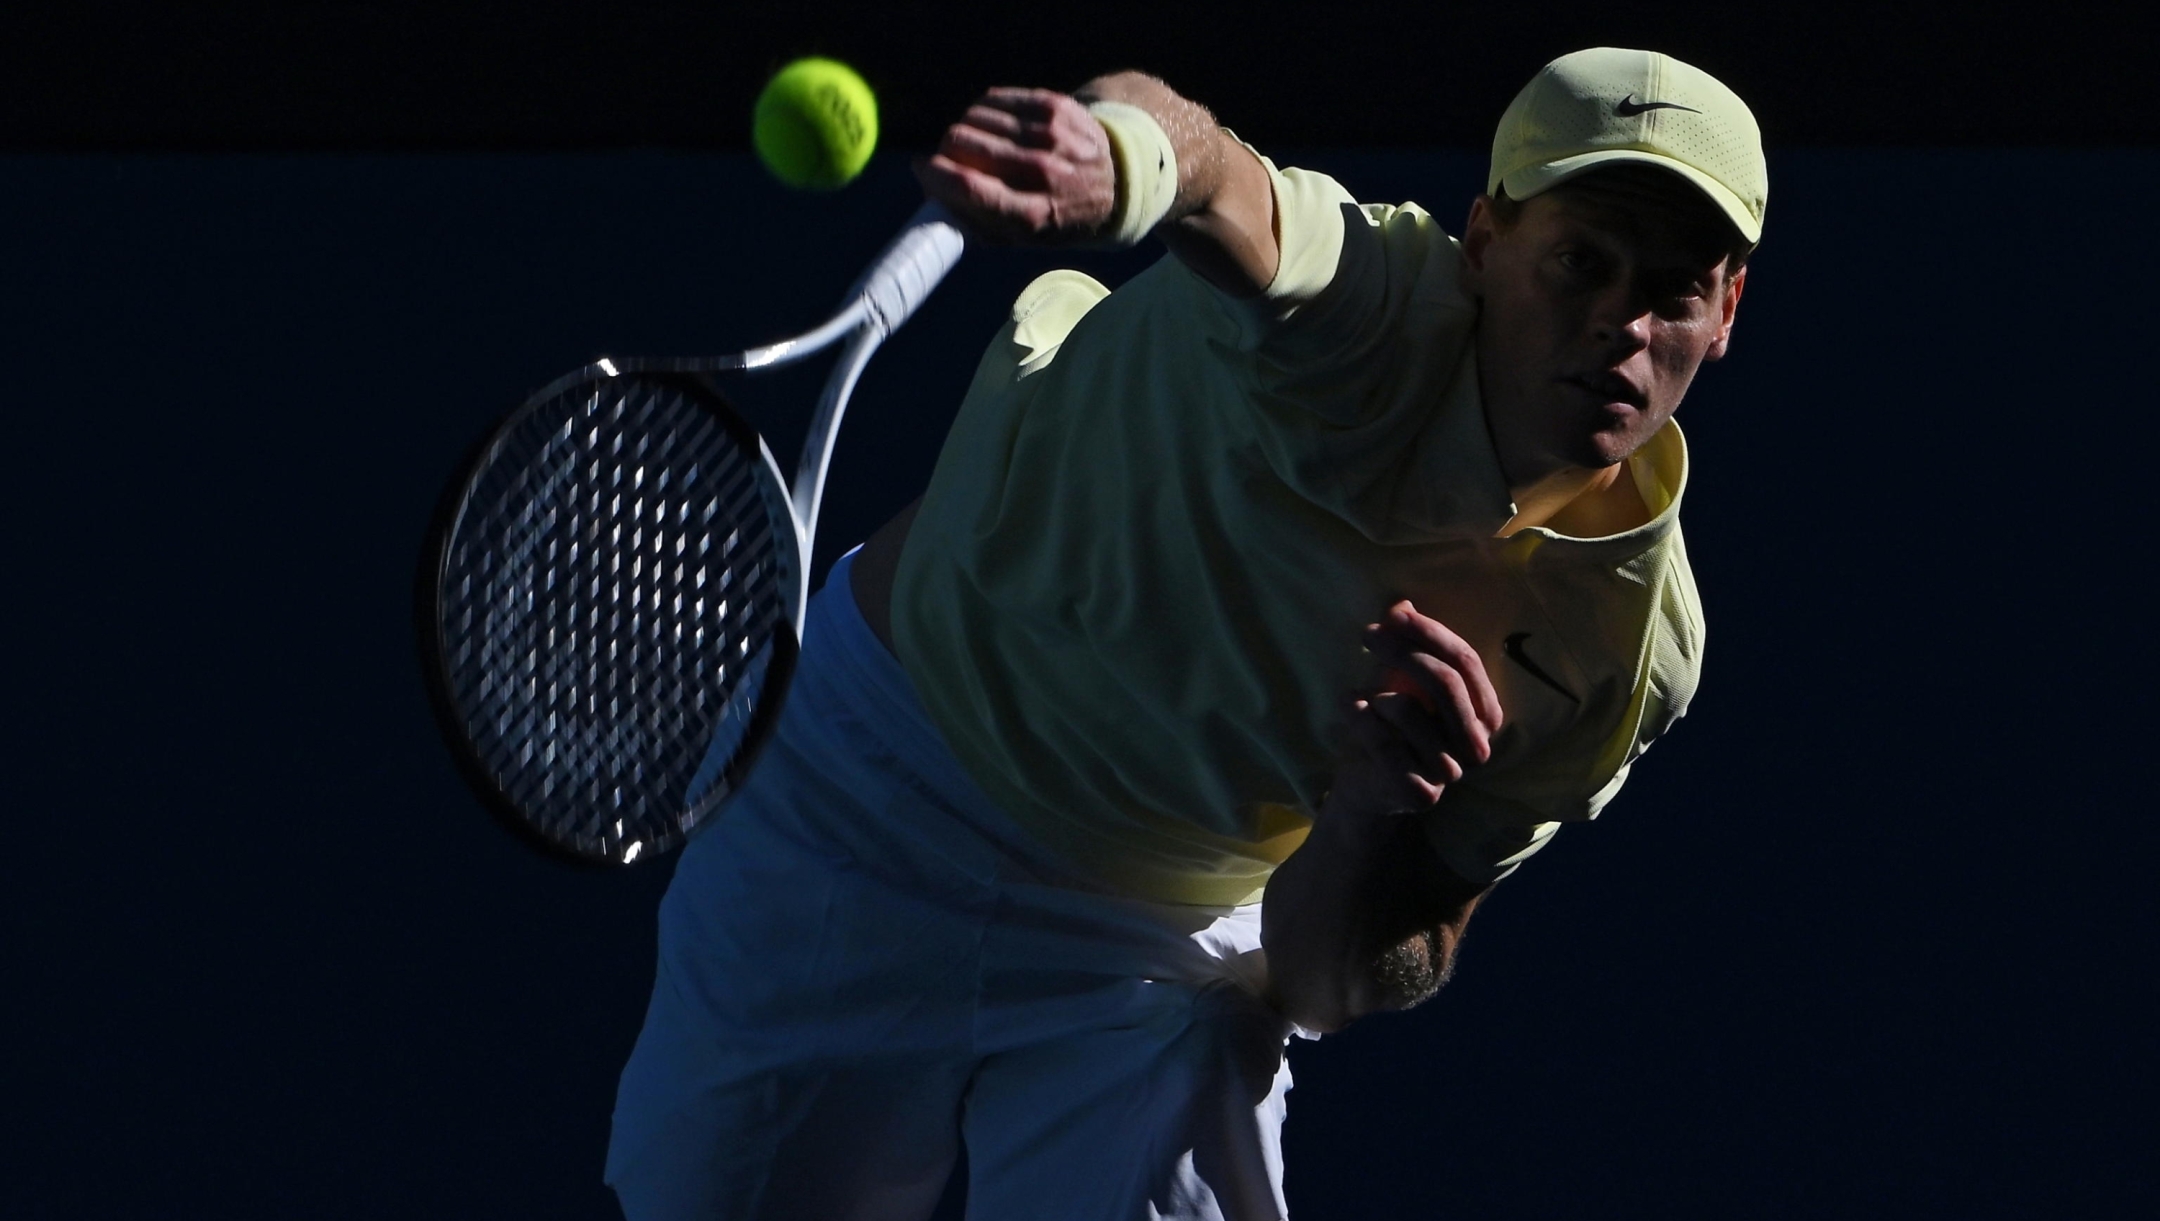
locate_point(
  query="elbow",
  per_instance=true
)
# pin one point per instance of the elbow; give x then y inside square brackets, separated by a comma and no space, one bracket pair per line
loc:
[1411,971]
[1402,976]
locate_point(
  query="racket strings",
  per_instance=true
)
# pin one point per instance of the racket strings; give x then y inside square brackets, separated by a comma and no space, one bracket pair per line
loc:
[612,592]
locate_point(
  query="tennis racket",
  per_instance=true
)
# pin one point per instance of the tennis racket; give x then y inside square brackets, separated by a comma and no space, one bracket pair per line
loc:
[612,593]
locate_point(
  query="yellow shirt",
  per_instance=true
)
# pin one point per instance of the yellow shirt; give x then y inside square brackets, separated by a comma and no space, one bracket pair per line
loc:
[1132,597]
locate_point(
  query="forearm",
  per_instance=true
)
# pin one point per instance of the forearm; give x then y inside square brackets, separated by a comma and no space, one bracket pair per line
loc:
[1363,917]
[1222,223]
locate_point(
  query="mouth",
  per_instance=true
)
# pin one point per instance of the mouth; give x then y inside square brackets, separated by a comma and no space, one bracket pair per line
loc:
[1608,387]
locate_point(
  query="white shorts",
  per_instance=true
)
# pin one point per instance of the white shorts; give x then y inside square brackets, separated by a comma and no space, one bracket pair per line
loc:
[864,964]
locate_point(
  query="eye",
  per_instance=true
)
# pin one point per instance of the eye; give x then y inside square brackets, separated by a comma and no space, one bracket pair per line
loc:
[1575,260]
[1674,293]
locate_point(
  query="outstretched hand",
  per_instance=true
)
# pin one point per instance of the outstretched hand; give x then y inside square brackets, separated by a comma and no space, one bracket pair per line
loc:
[1432,719]
[1025,166]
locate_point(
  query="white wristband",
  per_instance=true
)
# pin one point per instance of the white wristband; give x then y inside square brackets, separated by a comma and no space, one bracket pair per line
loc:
[1147,171]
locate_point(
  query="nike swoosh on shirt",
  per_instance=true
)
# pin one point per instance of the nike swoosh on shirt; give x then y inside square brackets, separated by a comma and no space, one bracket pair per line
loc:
[1628,107]
[1513,645]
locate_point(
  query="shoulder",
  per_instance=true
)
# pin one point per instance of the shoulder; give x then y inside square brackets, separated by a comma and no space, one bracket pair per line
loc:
[1313,216]
[1047,310]
[1372,291]
[1334,244]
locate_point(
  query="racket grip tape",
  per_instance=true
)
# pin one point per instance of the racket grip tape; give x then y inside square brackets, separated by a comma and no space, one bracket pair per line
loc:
[908,269]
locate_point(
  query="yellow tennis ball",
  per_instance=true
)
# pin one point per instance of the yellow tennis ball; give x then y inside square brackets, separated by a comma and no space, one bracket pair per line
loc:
[815,124]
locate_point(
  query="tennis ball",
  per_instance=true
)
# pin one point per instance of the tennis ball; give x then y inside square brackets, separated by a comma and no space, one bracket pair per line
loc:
[815,124]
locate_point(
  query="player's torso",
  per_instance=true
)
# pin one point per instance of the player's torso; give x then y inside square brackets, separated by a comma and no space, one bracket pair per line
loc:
[1588,642]
[1157,605]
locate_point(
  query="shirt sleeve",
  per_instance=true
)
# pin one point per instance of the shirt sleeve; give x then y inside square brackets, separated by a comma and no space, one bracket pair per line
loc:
[1365,297]
[1484,838]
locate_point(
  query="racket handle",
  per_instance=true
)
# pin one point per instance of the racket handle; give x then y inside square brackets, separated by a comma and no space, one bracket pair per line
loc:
[909,268]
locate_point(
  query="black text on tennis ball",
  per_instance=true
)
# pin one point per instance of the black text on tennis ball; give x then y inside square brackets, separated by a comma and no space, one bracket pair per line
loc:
[815,124]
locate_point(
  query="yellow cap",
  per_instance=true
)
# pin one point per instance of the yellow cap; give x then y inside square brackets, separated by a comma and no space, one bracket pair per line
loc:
[1607,106]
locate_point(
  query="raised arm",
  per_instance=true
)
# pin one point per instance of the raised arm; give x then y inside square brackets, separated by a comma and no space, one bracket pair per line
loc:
[1034,167]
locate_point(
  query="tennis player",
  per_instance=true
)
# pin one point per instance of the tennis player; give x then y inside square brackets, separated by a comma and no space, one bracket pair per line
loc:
[1258,618]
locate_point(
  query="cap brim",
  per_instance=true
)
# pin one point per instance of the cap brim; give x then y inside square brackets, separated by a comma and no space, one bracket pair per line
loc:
[1537,179]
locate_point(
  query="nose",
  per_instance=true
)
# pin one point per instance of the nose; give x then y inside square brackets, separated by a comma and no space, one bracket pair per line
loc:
[1622,321]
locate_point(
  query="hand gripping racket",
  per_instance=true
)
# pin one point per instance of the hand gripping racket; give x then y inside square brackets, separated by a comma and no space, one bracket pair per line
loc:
[612,594]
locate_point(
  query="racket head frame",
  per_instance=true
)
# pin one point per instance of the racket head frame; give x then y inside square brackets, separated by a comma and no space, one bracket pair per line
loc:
[894,286]
[435,648]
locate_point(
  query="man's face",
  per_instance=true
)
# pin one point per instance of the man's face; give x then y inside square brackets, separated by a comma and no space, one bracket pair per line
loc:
[1599,304]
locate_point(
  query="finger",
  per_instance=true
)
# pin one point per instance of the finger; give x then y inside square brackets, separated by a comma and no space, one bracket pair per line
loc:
[964,187]
[1435,752]
[990,207]
[1051,131]
[1447,704]
[996,120]
[1039,119]
[1387,749]
[1030,105]
[1391,772]
[1438,639]
[1449,693]
[1429,635]
[994,154]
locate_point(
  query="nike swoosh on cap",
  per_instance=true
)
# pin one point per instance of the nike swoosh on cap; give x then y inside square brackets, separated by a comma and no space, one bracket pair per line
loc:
[1628,107]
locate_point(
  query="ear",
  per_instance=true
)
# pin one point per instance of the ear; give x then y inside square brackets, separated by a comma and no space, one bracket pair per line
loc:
[1733,288]
[1477,241]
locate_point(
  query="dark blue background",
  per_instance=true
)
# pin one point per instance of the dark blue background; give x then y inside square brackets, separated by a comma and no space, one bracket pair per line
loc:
[1870,935]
